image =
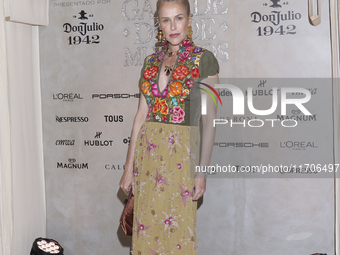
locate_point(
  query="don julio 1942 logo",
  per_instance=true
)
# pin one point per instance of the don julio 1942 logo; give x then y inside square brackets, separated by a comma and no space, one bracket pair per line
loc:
[88,32]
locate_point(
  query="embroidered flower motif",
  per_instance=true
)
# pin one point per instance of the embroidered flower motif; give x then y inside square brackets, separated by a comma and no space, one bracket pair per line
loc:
[195,73]
[155,92]
[140,227]
[197,50]
[160,56]
[171,139]
[180,72]
[165,118]
[145,87]
[149,112]
[175,88]
[153,252]
[184,193]
[150,73]
[148,58]
[183,56]
[174,102]
[160,105]
[179,166]
[186,42]
[197,60]
[190,83]
[189,48]
[178,114]
[179,246]
[184,93]
[150,146]
[159,179]
[169,221]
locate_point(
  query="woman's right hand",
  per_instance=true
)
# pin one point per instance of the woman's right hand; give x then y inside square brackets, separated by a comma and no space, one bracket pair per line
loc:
[127,181]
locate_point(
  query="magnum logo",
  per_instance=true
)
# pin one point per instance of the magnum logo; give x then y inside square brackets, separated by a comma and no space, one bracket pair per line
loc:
[72,165]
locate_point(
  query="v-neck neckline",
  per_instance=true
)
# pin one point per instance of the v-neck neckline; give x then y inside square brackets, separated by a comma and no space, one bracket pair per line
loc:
[170,78]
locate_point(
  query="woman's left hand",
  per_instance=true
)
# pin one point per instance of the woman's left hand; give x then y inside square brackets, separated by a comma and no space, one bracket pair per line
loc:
[199,185]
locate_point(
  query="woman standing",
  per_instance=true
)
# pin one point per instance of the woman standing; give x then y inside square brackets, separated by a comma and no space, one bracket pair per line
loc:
[165,139]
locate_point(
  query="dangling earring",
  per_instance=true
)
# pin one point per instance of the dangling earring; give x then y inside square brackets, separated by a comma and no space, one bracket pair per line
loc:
[160,36]
[190,32]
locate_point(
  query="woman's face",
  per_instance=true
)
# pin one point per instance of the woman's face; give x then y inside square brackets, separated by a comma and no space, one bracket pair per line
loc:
[174,22]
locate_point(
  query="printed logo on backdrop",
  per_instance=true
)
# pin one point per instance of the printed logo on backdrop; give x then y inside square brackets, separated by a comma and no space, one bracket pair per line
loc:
[80,3]
[208,32]
[98,142]
[126,140]
[241,144]
[298,145]
[278,19]
[114,118]
[114,167]
[83,30]
[67,97]
[115,96]
[297,115]
[71,119]
[72,164]
[65,142]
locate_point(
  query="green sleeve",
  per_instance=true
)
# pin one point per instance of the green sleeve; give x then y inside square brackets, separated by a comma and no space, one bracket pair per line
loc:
[208,65]
[142,70]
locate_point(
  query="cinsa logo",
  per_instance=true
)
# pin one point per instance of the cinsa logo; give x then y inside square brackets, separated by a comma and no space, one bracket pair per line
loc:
[65,142]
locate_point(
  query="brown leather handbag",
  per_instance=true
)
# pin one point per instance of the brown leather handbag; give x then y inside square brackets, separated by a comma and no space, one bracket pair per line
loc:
[126,219]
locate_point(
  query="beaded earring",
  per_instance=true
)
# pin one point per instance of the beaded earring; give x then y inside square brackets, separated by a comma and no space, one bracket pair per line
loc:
[160,36]
[190,32]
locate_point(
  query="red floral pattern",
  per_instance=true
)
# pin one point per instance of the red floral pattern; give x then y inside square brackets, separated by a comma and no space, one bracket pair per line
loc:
[150,73]
[180,72]
[169,106]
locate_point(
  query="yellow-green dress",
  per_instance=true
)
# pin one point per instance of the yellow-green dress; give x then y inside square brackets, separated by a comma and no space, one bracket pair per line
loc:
[167,147]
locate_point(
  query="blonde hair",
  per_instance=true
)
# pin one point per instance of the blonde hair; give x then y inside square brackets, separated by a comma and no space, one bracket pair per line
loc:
[184,2]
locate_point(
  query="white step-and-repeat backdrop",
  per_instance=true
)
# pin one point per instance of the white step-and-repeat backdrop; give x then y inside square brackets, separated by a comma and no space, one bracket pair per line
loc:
[91,56]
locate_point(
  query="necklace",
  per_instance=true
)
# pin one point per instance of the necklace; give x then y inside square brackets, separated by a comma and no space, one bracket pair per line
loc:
[168,70]
[171,53]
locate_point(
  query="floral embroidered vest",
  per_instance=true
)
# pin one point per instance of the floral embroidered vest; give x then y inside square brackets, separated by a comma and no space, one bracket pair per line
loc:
[180,102]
